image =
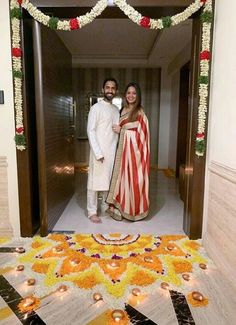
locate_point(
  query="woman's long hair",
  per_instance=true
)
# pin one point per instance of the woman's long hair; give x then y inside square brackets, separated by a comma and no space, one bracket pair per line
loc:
[137,105]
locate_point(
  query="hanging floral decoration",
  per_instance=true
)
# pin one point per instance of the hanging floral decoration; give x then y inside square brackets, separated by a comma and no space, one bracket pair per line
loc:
[143,21]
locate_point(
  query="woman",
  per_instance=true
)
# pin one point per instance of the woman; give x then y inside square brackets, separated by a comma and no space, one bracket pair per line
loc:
[128,194]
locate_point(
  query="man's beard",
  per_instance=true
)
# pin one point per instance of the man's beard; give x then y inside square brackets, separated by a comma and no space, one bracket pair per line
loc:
[109,96]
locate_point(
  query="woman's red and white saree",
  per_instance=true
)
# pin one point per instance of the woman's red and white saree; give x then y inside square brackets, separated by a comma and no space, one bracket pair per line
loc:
[129,189]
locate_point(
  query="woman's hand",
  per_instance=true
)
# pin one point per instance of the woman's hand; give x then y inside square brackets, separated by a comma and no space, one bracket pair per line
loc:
[116,128]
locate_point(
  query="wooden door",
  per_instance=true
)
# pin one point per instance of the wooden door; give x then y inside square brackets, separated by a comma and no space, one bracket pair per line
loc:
[194,167]
[54,119]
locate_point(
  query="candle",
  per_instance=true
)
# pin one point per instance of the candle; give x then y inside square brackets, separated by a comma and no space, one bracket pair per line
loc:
[148,259]
[171,247]
[165,285]
[113,265]
[30,282]
[20,268]
[197,296]
[20,250]
[118,315]
[136,291]
[186,276]
[97,296]
[62,288]
[58,249]
[29,301]
[203,266]
[75,261]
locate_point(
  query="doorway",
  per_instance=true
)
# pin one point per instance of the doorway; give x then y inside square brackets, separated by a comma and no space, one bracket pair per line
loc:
[189,213]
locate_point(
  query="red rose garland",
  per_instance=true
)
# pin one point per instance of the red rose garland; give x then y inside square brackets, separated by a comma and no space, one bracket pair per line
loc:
[20,2]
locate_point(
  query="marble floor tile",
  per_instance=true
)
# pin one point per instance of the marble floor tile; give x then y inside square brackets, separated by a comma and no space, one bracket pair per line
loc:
[166,211]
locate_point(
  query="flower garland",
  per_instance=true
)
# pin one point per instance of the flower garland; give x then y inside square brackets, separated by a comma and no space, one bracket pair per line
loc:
[136,17]
[205,56]
[163,22]
[17,73]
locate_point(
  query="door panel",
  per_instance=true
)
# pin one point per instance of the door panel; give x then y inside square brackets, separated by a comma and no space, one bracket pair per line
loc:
[195,167]
[53,85]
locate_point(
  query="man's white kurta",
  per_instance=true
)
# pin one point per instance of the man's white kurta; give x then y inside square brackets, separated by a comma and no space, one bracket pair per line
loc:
[103,142]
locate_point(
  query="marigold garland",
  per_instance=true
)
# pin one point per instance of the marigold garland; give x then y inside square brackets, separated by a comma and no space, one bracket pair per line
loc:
[136,17]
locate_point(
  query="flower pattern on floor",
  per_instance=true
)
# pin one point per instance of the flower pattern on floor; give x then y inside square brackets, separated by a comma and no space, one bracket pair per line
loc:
[110,263]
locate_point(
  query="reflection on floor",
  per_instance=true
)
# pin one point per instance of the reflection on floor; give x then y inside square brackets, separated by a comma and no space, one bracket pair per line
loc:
[166,210]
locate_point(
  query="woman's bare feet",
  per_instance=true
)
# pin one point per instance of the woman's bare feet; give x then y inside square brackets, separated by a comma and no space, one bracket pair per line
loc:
[95,219]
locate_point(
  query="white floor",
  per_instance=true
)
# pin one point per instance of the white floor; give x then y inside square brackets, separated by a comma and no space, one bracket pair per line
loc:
[166,211]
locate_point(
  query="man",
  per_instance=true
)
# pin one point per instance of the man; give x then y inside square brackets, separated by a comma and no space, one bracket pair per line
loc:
[103,141]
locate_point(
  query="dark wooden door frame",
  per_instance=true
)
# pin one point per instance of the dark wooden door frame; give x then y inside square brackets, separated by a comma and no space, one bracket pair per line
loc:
[195,167]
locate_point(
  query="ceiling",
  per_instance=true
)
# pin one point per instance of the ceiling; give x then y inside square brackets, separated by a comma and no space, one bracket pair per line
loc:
[120,42]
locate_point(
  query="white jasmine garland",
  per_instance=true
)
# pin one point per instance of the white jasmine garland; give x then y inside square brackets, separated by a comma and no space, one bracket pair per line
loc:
[204,72]
[136,17]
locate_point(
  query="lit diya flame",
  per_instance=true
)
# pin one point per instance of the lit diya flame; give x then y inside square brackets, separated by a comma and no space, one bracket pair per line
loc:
[20,250]
[136,292]
[165,285]
[118,315]
[20,268]
[113,265]
[30,282]
[58,249]
[203,266]
[171,247]
[148,259]
[97,296]
[29,301]
[197,296]
[75,261]
[186,276]
[62,288]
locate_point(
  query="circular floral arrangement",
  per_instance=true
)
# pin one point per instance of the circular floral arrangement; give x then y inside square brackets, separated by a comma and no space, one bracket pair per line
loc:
[136,17]
[111,264]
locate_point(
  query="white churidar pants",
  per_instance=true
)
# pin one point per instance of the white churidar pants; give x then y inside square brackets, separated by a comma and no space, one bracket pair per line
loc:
[92,202]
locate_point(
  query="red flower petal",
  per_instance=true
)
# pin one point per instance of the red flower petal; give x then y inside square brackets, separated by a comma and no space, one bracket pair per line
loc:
[145,22]
[20,2]
[17,52]
[200,135]
[74,24]
[205,55]
[20,130]
[203,1]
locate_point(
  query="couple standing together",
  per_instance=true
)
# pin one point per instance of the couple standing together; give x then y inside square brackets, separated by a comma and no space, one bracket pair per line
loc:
[120,173]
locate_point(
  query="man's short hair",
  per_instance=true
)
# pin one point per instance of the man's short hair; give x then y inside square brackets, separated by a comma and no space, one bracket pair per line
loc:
[110,79]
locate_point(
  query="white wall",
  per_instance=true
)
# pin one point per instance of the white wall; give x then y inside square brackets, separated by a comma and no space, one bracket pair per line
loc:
[222,127]
[174,112]
[221,146]
[165,106]
[219,223]
[7,145]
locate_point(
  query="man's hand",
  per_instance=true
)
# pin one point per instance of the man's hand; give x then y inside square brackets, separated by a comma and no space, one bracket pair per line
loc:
[101,159]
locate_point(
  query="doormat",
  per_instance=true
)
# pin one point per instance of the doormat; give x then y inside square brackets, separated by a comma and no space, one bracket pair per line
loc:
[112,266]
